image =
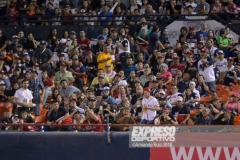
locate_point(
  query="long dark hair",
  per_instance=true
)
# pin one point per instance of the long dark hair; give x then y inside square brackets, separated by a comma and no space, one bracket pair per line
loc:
[154,29]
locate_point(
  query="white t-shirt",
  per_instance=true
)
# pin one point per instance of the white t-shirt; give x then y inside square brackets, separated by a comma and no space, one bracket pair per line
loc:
[149,114]
[208,72]
[173,98]
[110,75]
[221,65]
[23,95]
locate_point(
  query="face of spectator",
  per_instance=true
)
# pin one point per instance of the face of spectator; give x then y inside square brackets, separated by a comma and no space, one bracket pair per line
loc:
[205,112]
[203,54]
[15,86]
[20,34]
[174,89]
[118,9]
[139,90]
[131,40]
[25,84]
[105,9]
[126,112]
[192,31]
[136,12]
[108,68]
[191,86]
[149,8]
[190,10]
[121,74]
[66,11]
[163,69]
[24,115]
[109,41]
[140,56]
[150,78]
[106,49]
[121,90]
[186,77]
[146,94]
[44,75]
[82,34]
[59,98]
[30,36]
[140,65]
[56,11]
[204,26]
[133,2]
[55,106]
[63,68]
[144,33]
[64,84]
[175,61]
[105,31]
[236,68]
[230,62]
[101,81]
[65,34]
[129,61]
[214,95]
[85,4]
[230,1]
[173,2]
[54,32]
[209,44]
[105,94]
[132,74]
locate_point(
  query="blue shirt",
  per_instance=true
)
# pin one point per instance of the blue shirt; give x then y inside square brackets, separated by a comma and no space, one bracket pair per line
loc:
[35,86]
[201,35]
[104,18]
[65,93]
[152,40]
[127,70]
[148,32]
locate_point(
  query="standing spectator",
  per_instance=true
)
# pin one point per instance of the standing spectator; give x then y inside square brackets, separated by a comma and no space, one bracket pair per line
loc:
[205,68]
[35,85]
[23,97]
[43,56]
[118,16]
[165,74]
[48,84]
[206,118]
[30,44]
[153,40]
[150,107]
[67,17]
[105,17]
[104,58]
[164,36]
[123,44]
[84,42]
[175,65]
[122,5]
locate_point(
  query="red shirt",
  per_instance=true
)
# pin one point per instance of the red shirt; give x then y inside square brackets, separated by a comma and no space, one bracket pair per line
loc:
[48,82]
[173,69]
[93,128]
[84,44]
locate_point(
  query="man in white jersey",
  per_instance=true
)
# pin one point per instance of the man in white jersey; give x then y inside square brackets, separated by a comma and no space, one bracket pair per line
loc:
[173,97]
[150,106]
[205,68]
[123,44]
[23,97]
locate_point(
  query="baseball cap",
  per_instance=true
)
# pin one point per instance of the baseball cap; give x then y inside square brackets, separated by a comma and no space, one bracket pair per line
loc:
[19,46]
[220,52]
[100,38]
[25,52]
[72,32]
[230,58]
[42,42]
[147,89]
[35,64]
[175,57]
[159,57]
[170,47]
[203,50]
[107,65]
[118,75]
[88,53]
[126,26]
[162,92]
[114,29]
[144,23]
[63,64]
[179,98]
[162,98]
[15,37]
[75,57]
[200,42]
[2,83]
[155,81]
[137,81]
[105,89]
[235,95]
[189,52]
[191,27]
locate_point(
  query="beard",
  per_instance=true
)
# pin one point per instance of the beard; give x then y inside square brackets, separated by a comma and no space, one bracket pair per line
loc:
[104,96]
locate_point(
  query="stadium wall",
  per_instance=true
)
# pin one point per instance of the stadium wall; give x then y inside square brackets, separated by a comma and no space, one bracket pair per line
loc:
[68,146]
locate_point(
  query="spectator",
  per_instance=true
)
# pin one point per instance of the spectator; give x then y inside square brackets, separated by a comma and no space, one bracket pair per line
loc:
[211,37]
[205,68]
[150,106]
[172,98]
[217,7]
[232,103]
[104,34]
[4,78]
[206,118]
[95,80]
[231,10]
[165,74]
[202,87]
[202,34]
[104,58]
[31,7]
[67,17]
[191,38]
[175,65]
[98,48]
[143,40]
[202,8]
[56,19]
[118,16]
[48,84]
[150,13]
[98,88]
[122,5]
[124,117]
[153,40]
[224,118]
[184,83]
[52,36]
[23,97]
[105,17]
[59,115]
[224,42]
[83,42]
[180,109]
[3,41]
[63,74]
[191,3]
[173,8]
[21,37]
[130,67]
[123,44]
[49,11]
[183,35]
[110,74]
[31,43]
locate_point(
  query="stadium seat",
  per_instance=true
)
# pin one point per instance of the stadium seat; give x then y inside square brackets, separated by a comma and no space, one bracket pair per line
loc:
[224,99]
[205,99]
[219,87]
[43,112]
[193,112]
[237,120]
[223,92]
[39,119]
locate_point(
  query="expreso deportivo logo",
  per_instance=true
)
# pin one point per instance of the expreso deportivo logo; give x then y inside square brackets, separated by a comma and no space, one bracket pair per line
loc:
[153,134]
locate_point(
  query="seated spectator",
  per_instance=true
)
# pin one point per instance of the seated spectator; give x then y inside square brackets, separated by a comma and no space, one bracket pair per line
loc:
[190,98]
[173,8]
[78,118]
[231,9]
[206,118]
[211,36]
[59,115]
[26,118]
[216,106]
[49,11]
[123,117]
[150,12]
[37,17]
[175,65]
[232,103]
[232,76]
[191,3]
[181,109]
[31,43]
[202,8]
[31,7]
[11,119]
[150,81]
[65,91]
[174,95]
[178,77]
[107,111]
[98,88]
[110,74]
[201,86]
[164,73]
[224,118]
[166,117]
[63,74]
[95,80]
[224,42]
[143,40]
[67,18]
[217,7]
[56,18]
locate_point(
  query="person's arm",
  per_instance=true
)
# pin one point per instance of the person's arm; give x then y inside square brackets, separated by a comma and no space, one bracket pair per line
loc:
[218,115]
[185,120]
[111,113]
[71,78]
[160,45]
[99,60]
[4,45]
[92,115]
[235,78]
[226,104]
[156,108]
[168,81]
[64,117]
[238,107]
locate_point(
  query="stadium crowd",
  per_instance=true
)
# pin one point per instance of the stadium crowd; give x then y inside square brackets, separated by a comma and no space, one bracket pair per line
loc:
[125,78]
